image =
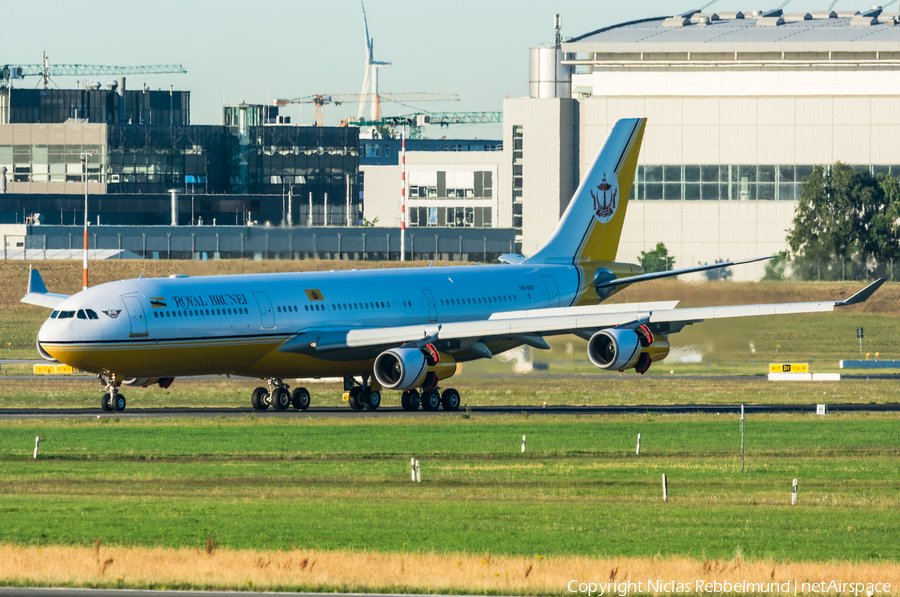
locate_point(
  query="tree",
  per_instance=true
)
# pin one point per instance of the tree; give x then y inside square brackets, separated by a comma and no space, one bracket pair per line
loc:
[657,260]
[845,226]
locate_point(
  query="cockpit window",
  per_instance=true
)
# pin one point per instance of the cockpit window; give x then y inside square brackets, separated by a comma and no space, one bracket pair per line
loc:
[66,315]
[91,314]
[81,314]
[54,314]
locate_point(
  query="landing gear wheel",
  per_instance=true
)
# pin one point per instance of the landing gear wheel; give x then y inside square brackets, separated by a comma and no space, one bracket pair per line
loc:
[300,398]
[119,402]
[450,400]
[431,400]
[355,398]
[281,398]
[106,403]
[259,399]
[372,399]
[410,400]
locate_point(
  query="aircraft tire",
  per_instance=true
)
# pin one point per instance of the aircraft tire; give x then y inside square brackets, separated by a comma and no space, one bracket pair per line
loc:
[372,399]
[119,403]
[300,398]
[355,400]
[105,403]
[281,398]
[410,400]
[258,399]
[450,400]
[431,400]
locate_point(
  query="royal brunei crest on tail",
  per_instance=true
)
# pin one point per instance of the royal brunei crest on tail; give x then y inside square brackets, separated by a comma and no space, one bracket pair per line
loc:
[605,199]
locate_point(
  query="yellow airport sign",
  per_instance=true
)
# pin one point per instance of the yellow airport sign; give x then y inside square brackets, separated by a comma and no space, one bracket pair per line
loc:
[56,370]
[788,367]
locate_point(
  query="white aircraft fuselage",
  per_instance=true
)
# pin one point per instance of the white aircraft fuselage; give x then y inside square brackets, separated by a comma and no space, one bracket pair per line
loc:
[166,327]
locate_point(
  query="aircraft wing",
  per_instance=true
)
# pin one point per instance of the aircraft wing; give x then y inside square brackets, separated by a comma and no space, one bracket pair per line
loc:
[529,327]
[37,292]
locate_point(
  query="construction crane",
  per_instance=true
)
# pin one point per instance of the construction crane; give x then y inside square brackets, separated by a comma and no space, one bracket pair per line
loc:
[321,100]
[45,70]
[415,122]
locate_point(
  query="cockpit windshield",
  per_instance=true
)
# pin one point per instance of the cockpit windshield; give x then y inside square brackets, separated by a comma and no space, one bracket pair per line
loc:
[80,314]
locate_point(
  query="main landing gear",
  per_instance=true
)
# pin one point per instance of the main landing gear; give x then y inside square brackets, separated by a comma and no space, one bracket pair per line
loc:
[112,399]
[361,396]
[430,400]
[431,397]
[279,396]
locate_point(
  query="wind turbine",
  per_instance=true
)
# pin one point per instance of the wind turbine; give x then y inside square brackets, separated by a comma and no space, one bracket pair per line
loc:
[370,81]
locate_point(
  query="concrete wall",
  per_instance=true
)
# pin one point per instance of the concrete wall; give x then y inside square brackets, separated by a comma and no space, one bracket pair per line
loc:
[550,162]
[700,232]
[382,195]
[750,130]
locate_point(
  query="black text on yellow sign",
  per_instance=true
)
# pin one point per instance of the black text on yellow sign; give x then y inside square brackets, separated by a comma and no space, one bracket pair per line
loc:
[789,368]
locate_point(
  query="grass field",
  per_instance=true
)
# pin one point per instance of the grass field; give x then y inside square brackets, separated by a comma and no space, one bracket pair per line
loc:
[327,504]
[579,491]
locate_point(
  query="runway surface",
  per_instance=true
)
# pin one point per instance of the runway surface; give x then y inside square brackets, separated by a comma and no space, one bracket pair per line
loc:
[476,411]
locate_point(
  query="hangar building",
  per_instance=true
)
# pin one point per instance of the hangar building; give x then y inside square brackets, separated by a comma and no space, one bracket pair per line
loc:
[740,107]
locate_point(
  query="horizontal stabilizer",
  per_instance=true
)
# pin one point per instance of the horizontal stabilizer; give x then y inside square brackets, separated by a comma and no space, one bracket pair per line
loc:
[511,258]
[37,292]
[676,272]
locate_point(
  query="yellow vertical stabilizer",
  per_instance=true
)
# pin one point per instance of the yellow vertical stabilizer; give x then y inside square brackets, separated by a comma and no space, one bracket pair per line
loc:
[590,229]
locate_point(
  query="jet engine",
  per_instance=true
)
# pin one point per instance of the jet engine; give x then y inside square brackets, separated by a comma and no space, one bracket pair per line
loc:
[617,349]
[401,368]
[614,349]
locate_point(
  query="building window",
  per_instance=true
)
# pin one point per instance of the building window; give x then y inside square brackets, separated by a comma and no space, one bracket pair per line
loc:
[715,182]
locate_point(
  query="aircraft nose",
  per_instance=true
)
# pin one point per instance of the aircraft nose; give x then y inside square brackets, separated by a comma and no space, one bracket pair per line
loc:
[43,336]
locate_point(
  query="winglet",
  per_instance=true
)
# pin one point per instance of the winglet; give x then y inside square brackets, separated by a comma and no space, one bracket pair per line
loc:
[35,282]
[863,295]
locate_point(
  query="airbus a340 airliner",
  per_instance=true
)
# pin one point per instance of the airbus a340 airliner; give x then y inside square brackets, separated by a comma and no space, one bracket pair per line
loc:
[395,329]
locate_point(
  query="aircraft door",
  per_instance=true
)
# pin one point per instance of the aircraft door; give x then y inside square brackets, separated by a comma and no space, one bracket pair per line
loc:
[552,291]
[432,308]
[265,310]
[135,315]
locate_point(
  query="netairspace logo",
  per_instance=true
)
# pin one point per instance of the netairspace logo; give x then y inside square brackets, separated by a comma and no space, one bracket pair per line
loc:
[624,588]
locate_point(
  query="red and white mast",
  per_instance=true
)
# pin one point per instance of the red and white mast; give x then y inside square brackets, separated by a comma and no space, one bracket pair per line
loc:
[403,195]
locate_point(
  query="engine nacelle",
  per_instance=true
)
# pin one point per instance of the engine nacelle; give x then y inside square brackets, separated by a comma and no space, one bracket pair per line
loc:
[619,349]
[401,368]
[614,349]
[143,382]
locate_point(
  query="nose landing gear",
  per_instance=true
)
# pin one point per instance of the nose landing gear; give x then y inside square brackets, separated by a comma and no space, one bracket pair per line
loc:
[111,400]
